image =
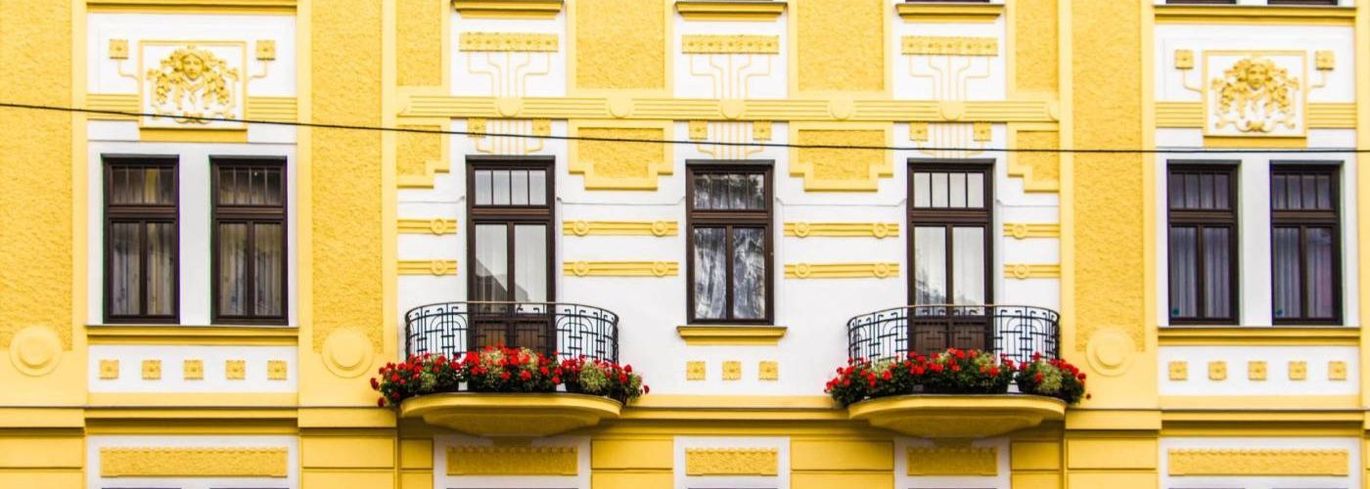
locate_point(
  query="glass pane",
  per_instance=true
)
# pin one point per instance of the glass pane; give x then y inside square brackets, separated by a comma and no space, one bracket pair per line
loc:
[492,260]
[1206,190]
[968,265]
[730,191]
[233,269]
[958,189]
[484,194]
[134,185]
[1310,191]
[537,187]
[1294,192]
[268,256]
[1320,273]
[922,189]
[975,190]
[1278,194]
[518,185]
[501,187]
[274,187]
[704,191]
[1324,192]
[710,272]
[530,263]
[939,189]
[1184,285]
[1217,265]
[749,273]
[125,268]
[1176,190]
[161,268]
[1287,278]
[1192,191]
[1221,191]
[930,265]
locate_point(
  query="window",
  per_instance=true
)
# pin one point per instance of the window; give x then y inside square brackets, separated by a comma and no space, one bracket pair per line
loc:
[729,242]
[1201,2]
[1203,243]
[141,240]
[249,241]
[951,247]
[1305,244]
[510,249]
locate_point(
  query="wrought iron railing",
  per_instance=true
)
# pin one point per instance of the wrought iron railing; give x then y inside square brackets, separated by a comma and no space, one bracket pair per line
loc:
[1013,331]
[568,330]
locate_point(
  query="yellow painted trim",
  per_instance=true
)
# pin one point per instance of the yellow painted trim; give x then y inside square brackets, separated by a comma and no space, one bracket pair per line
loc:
[915,12]
[949,46]
[723,10]
[1258,336]
[620,228]
[729,44]
[45,417]
[953,461]
[1022,271]
[1246,462]
[1198,421]
[192,135]
[1254,142]
[1247,403]
[199,400]
[620,268]
[436,226]
[275,109]
[1025,230]
[694,408]
[442,163]
[118,102]
[508,9]
[435,268]
[1325,115]
[732,461]
[805,162]
[519,42]
[193,6]
[580,163]
[1024,165]
[520,415]
[508,460]
[957,416]
[878,230]
[1262,15]
[192,335]
[1362,63]
[1180,114]
[700,335]
[194,462]
[841,270]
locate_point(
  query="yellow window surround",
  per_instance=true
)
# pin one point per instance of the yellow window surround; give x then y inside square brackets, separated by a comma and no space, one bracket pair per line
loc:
[508,9]
[717,335]
[949,12]
[192,335]
[1254,14]
[1258,336]
[729,10]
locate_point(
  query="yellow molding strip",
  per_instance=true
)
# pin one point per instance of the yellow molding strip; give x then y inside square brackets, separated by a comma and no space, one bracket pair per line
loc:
[192,335]
[517,42]
[274,109]
[515,460]
[1180,114]
[949,46]
[732,461]
[705,335]
[729,44]
[193,6]
[878,230]
[508,9]
[1025,230]
[620,268]
[1256,403]
[1254,142]
[1270,462]
[591,108]
[841,270]
[1259,15]
[725,10]
[1023,271]
[188,135]
[1332,116]
[194,462]
[620,228]
[436,226]
[1258,336]
[118,102]
[191,400]
[1327,115]
[914,12]
[435,268]
[952,461]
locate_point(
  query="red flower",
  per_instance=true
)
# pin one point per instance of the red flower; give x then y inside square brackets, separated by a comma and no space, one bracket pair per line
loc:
[380,402]
[646,389]
[525,375]
[885,376]
[1081,376]
[1037,377]
[394,377]
[994,371]
[556,380]
[504,375]
[375,385]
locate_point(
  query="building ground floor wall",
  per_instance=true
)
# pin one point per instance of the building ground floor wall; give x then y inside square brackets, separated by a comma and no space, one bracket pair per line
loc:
[347,448]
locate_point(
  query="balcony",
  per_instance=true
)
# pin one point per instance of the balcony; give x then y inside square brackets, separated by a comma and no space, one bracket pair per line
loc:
[498,369]
[945,371]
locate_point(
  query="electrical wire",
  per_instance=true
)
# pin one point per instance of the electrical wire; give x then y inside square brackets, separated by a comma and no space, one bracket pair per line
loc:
[415,130]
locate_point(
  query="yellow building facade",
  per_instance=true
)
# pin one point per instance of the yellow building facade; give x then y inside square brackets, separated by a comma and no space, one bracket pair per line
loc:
[219,219]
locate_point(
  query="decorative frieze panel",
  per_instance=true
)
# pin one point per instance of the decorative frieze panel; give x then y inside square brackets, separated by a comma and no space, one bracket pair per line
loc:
[946,461]
[1256,93]
[1267,462]
[185,81]
[1198,374]
[189,369]
[620,228]
[621,268]
[739,44]
[512,461]
[841,169]
[731,461]
[877,230]
[194,462]
[507,42]
[610,164]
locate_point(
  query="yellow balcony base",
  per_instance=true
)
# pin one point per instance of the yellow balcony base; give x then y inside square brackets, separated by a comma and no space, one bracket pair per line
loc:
[957,416]
[511,415]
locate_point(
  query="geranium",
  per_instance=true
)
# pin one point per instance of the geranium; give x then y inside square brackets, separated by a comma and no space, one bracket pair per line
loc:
[500,369]
[1054,377]
[953,371]
[601,378]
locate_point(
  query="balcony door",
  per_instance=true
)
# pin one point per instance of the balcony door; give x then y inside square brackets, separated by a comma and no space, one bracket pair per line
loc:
[950,239]
[510,248]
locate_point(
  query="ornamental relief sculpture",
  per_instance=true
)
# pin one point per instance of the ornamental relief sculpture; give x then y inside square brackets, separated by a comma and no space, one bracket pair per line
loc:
[1256,96]
[194,81]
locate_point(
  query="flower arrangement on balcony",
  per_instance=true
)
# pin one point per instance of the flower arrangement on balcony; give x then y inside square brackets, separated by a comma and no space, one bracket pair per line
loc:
[504,370]
[954,371]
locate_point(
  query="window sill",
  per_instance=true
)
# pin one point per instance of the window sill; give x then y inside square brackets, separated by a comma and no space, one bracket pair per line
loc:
[728,335]
[1258,336]
[748,10]
[1263,14]
[170,334]
[505,9]
[949,12]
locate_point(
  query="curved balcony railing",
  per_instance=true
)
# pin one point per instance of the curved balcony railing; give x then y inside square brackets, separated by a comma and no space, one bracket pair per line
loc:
[1013,331]
[568,330]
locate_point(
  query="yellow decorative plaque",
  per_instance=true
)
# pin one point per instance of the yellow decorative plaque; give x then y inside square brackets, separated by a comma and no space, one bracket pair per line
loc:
[508,42]
[193,462]
[524,461]
[953,461]
[1272,462]
[191,81]
[731,461]
[713,44]
[950,46]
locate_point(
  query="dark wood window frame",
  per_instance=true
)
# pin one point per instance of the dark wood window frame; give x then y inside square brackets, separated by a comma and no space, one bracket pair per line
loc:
[251,215]
[1202,219]
[115,213]
[1317,3]
[729,219]
[950,218]
[1310,218]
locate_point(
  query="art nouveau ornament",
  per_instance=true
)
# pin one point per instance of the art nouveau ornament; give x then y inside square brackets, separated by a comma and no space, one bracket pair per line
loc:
[1256,94]
[194,83]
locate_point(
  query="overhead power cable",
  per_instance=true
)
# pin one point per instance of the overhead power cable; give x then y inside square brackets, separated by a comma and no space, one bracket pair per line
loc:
[416,130]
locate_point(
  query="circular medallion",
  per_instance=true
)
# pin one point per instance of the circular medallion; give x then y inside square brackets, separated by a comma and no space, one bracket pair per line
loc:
[952,110]
[880,230]
[841,108]
[659,228]
[660,268]
[802,270]
[508,106]
[580,228]
[881,270]
[347,353]
[620,106]
[801,229]
[580,268]
[1109,352]
[35,350]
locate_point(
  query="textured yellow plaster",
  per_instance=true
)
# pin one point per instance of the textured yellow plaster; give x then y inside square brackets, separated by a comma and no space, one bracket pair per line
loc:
[841,45]
[620,44]
[418,41]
